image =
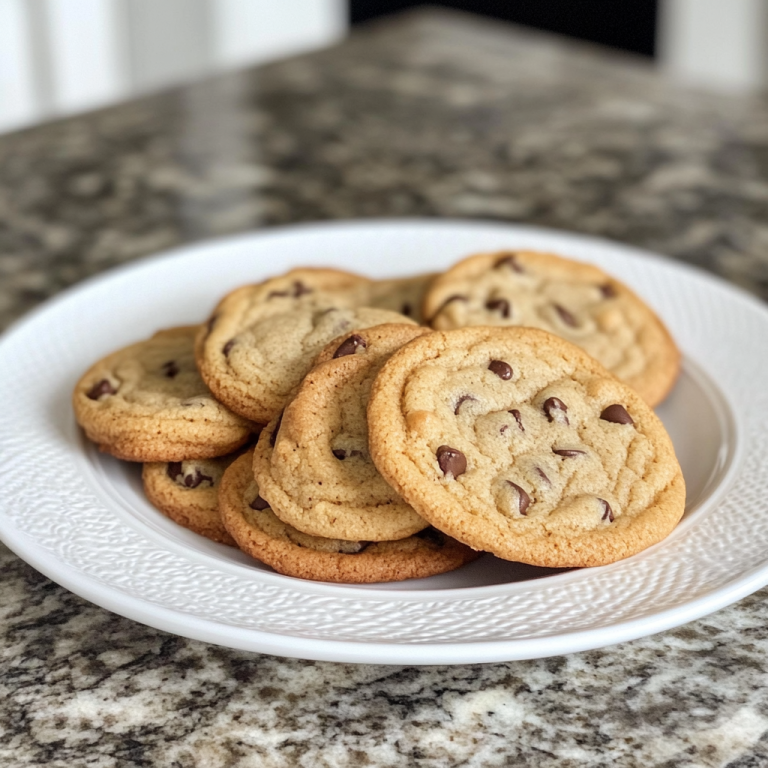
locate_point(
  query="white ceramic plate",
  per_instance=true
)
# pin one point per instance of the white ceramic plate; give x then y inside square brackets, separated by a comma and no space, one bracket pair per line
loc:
[81,519]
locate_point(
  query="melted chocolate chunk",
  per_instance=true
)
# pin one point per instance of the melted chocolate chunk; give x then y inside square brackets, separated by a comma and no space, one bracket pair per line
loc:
[565,316]
[556,409]
[523,499]
[501,369]
[451,461]
[406,309]
[568,453]
[170,369]
[103,387]
[228,347]
[462,399]
[608,291]
[540,473]
[297,290]
[607,511]
[174,470]
[350,346]
[432,535]
[519,421]
[500,305]
[455,297]
[259,503]
[509,261]
[197,477]
[209,325]
[616,414]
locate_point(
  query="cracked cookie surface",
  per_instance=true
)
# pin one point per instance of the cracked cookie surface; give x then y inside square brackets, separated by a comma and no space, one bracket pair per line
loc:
[574,300]
[147,402]
[261,339]
[516,442]
[261,534]
[314,466]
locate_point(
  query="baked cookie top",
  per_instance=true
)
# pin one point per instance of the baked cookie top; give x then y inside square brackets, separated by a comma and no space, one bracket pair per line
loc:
[404,295]
[261,534]
[261,339]
[314,466]
[147,402]
[188,493]
[571,299]
[518,443]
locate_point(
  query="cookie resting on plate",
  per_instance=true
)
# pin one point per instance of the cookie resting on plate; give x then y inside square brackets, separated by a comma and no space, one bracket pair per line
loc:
[147,403]
[188,493]
[571,299]
[518,443]
[314,467]
[261,534]
[261,339]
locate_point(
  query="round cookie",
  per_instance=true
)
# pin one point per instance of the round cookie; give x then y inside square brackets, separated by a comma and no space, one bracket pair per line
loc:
[261,339]
[316,471]
[516,442]
[261,534]
[147,403]
[403,295]
[574,300]
[188,493]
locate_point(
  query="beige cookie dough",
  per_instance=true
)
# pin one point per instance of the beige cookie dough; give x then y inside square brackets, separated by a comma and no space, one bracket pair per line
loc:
[148,403]
[261,534]
[518,443]
[571,299]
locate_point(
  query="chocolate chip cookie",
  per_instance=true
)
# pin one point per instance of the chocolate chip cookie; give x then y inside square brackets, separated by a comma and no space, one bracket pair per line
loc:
[261,534]
[261,339]
[148,403]
[188,493]
[516,442]
[574,300]
[314,466]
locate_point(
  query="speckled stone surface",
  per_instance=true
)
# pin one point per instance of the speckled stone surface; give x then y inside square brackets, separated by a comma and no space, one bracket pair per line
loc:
[428,115]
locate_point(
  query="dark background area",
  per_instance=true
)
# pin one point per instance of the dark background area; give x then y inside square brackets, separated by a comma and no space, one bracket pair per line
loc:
[626,24]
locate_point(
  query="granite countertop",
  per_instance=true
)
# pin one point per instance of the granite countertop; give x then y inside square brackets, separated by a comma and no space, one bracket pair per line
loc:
[430,114]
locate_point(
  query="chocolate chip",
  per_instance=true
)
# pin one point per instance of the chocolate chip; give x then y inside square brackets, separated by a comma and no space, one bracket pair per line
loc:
[607,511]
[566,316]
[432,535]
[170,369]
[500,305]
[523,500]
[174,470]
[608,291]
[455,297]
[101,388]
[406,309]
[462,399]
[259,503]
[501,369]
[297,290]
[451,461]
[339,453]
[350,346]
[556,409]
[519,421]
[193,480]
[509,261]
[568,453]
[277,294]
[228,347]
[211,322]
[273,436]
[540,473]
[617,414]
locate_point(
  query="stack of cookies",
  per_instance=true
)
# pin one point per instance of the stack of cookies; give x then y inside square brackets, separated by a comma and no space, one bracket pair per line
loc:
[350,430]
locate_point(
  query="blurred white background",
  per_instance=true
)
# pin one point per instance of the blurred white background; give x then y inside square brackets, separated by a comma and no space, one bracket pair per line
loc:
[63,56]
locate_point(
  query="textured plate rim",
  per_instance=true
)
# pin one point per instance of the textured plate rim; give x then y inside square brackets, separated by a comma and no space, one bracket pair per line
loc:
[362,651]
